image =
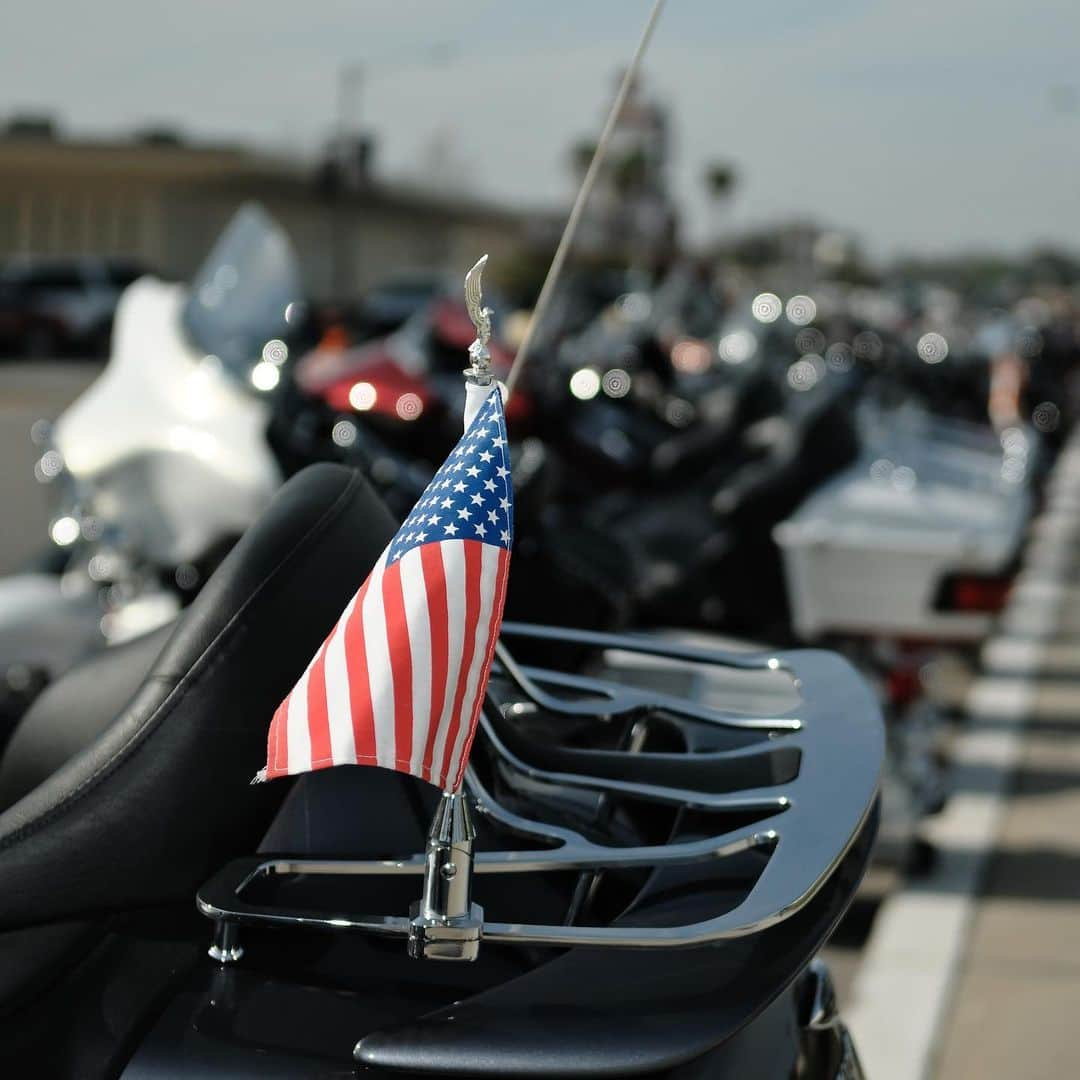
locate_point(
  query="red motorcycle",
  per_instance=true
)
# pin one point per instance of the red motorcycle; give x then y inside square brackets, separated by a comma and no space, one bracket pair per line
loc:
[392,405]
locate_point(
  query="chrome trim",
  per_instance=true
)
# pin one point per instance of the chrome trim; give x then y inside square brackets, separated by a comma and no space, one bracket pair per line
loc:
[820,1021]
[226,947]
[821,1010]
[446,924]
[850,1067]
[608,698]
[805,824]
[479,371]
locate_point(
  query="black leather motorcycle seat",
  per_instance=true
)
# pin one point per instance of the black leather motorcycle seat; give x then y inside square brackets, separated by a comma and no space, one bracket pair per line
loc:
[73,711]
[159,799]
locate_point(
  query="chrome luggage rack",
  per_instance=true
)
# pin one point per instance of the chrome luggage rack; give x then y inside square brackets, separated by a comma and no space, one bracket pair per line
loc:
[800,785]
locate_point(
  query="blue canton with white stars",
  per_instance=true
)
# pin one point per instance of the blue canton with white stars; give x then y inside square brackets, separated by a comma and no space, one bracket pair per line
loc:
[471,497]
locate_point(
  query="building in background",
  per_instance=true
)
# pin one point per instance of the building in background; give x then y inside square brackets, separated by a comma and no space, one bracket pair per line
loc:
[162,200]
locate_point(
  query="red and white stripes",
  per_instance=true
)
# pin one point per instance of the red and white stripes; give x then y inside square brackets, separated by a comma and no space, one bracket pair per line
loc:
[400,680]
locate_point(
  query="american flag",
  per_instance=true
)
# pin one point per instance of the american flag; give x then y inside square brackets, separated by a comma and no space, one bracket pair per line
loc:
[401,678]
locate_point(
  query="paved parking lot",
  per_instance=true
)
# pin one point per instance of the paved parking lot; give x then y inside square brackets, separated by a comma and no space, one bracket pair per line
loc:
[973,972]
[1019,983]
[29,391]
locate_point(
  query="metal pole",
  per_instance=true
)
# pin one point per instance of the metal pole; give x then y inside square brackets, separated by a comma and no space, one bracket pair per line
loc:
[445,924]
[572,222]
[350,85]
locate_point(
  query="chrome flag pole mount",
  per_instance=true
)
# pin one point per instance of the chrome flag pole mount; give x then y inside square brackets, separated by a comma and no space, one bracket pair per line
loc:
[445,924]
[400,681]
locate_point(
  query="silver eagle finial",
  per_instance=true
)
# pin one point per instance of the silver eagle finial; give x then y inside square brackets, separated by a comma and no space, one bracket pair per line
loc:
[480,369]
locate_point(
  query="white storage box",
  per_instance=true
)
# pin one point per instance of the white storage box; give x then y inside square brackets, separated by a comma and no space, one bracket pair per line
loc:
[867,553]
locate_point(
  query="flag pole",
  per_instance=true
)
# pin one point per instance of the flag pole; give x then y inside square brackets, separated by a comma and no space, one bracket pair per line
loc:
[445,924]
[566,241]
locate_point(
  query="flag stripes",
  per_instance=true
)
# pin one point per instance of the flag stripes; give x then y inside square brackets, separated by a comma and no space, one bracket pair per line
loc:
[420,724]
[400,679]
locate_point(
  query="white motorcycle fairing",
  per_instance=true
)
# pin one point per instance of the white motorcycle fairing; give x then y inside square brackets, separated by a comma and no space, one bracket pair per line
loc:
[45,626]
[172,450]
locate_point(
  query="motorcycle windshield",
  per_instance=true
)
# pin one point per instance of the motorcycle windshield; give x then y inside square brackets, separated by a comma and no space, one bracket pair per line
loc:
[245,294]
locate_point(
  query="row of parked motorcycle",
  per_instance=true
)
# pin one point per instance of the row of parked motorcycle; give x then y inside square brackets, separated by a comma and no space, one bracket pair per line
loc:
[781,476]
[706,471]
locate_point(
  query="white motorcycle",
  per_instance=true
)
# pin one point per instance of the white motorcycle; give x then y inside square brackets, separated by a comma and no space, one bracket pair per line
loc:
[902,560]
[916,538]
[161,463]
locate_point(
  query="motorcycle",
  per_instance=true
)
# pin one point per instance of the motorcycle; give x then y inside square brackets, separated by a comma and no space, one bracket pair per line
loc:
[697,453]
[389,408]
[618,429]
[607,536]
[163,461]
[901,561]
[669,471]
[657,873]
[917,538]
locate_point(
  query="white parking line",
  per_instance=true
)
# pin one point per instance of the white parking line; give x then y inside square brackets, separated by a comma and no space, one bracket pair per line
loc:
[904,988]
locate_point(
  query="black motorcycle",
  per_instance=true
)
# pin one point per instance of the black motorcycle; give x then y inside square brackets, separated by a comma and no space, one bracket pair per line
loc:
[657,871]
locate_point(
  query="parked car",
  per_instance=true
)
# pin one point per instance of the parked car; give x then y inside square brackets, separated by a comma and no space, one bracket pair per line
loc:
[61,306]
[389,304]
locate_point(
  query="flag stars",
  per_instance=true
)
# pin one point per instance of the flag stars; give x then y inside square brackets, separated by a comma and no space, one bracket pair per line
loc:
[462,500]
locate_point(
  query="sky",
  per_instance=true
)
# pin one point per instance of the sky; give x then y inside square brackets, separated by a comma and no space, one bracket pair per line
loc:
[925,128]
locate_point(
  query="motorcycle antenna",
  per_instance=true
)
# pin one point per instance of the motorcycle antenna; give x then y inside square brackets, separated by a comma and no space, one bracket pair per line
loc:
[566,241]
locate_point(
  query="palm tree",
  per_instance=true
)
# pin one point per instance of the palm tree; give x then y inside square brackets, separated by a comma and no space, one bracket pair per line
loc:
[720,180]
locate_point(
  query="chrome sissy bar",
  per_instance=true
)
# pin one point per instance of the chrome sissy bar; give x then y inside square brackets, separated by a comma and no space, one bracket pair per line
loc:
[610,700]
[803,824]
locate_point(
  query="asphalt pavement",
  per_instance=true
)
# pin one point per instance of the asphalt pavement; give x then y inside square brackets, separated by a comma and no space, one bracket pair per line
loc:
[972,971]
[1018,985]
